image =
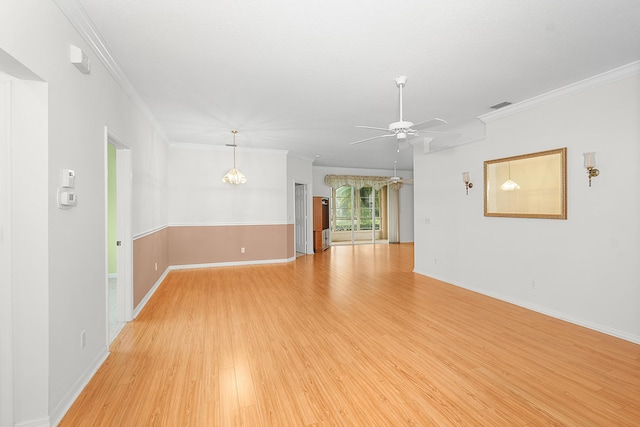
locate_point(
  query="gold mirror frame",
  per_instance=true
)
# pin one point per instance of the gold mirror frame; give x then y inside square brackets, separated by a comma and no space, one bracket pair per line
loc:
[538,185]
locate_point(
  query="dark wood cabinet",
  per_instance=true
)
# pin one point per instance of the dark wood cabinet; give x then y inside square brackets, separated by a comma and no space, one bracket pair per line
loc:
[320,223]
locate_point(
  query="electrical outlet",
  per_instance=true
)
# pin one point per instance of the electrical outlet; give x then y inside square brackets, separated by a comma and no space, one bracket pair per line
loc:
[83,338]
[156,266]
[241,250]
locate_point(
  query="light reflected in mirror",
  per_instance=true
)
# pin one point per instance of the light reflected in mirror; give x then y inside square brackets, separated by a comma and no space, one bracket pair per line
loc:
[527,186]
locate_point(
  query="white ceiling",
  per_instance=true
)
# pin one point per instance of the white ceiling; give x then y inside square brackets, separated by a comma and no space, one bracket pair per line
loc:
[300,74]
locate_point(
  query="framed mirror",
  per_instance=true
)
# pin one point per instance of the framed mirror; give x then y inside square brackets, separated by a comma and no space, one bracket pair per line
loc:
[527,186]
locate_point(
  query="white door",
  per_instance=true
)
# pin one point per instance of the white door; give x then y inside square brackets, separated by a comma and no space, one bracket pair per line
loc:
[301,218]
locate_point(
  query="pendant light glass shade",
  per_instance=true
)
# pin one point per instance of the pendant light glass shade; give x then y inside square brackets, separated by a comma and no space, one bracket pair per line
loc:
[509,185]
[234,176]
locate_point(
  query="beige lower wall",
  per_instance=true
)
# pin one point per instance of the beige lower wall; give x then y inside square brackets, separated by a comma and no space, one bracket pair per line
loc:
[147,251]
[189,245]
[218,244]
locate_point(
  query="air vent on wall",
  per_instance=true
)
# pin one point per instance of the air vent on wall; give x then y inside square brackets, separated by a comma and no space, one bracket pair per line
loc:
[500,105]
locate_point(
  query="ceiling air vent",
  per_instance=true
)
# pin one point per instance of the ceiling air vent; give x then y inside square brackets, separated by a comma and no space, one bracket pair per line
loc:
[500,105]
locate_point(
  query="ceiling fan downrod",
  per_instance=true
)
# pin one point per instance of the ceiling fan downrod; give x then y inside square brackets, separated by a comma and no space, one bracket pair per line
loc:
[400,82]
[401,128]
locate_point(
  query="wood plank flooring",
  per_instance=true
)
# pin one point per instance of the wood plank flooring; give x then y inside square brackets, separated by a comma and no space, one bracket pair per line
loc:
[351,337]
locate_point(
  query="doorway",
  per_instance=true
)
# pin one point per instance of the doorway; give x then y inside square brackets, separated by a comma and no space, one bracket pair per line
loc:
[115,321]
[301,219]
[359,215]
[119,280]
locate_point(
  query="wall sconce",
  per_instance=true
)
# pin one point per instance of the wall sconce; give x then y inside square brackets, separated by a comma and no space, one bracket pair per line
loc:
[590,164]
[467,183]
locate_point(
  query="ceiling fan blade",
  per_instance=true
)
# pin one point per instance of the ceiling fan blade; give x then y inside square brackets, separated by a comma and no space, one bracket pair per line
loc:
[369,139]
[393,180]
[375,128]
[428,124]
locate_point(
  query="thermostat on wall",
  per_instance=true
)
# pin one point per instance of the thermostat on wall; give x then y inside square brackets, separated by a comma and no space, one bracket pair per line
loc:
[66,198]
[68,178]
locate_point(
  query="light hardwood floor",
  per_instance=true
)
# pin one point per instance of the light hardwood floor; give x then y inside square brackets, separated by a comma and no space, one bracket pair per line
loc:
[352,337]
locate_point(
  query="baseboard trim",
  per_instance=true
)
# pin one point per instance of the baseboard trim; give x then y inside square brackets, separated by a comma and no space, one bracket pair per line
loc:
[231,263]
[543,310]
[149,294]
[61,408]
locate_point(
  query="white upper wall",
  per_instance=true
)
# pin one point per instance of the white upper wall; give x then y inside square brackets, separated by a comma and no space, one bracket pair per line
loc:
[37,35]
[197,195]
[584,269]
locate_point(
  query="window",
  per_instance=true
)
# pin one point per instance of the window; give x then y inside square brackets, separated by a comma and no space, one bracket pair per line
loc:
[357,210]
[368,209]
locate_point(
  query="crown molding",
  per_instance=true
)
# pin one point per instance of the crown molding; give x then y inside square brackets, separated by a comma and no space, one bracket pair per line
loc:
[607,77]
[79,19]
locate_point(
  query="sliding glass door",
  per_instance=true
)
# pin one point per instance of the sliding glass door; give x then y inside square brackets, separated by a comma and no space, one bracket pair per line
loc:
[358,215]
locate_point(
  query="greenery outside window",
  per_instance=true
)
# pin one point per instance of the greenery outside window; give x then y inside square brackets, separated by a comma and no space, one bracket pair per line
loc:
[357,209]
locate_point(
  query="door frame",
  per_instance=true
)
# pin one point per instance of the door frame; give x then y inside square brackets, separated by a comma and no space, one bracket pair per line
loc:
[302,203]
[123,221]
[6,262]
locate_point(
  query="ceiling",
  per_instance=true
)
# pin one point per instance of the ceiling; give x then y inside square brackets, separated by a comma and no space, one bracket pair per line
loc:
[300,75]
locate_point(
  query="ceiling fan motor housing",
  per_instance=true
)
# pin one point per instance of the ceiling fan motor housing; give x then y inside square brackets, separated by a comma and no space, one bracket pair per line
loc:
[401,129]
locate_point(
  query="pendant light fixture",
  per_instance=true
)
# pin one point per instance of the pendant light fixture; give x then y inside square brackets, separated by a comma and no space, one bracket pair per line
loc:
[509,185]
[234,176]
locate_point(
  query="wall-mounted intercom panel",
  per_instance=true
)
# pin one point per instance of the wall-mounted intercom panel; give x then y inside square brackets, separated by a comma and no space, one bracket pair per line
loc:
[67,197]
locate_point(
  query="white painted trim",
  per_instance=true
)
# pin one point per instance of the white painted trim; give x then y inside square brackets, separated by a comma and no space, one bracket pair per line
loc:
[205,224]
[74,391]
[231,264]
[149,294]
[77,16]
[148,233]
[6,262]
[228,224]
[611,76]
[543,310]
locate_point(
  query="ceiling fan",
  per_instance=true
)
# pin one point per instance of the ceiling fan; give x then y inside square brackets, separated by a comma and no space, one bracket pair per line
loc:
[402,128]
[398,179]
